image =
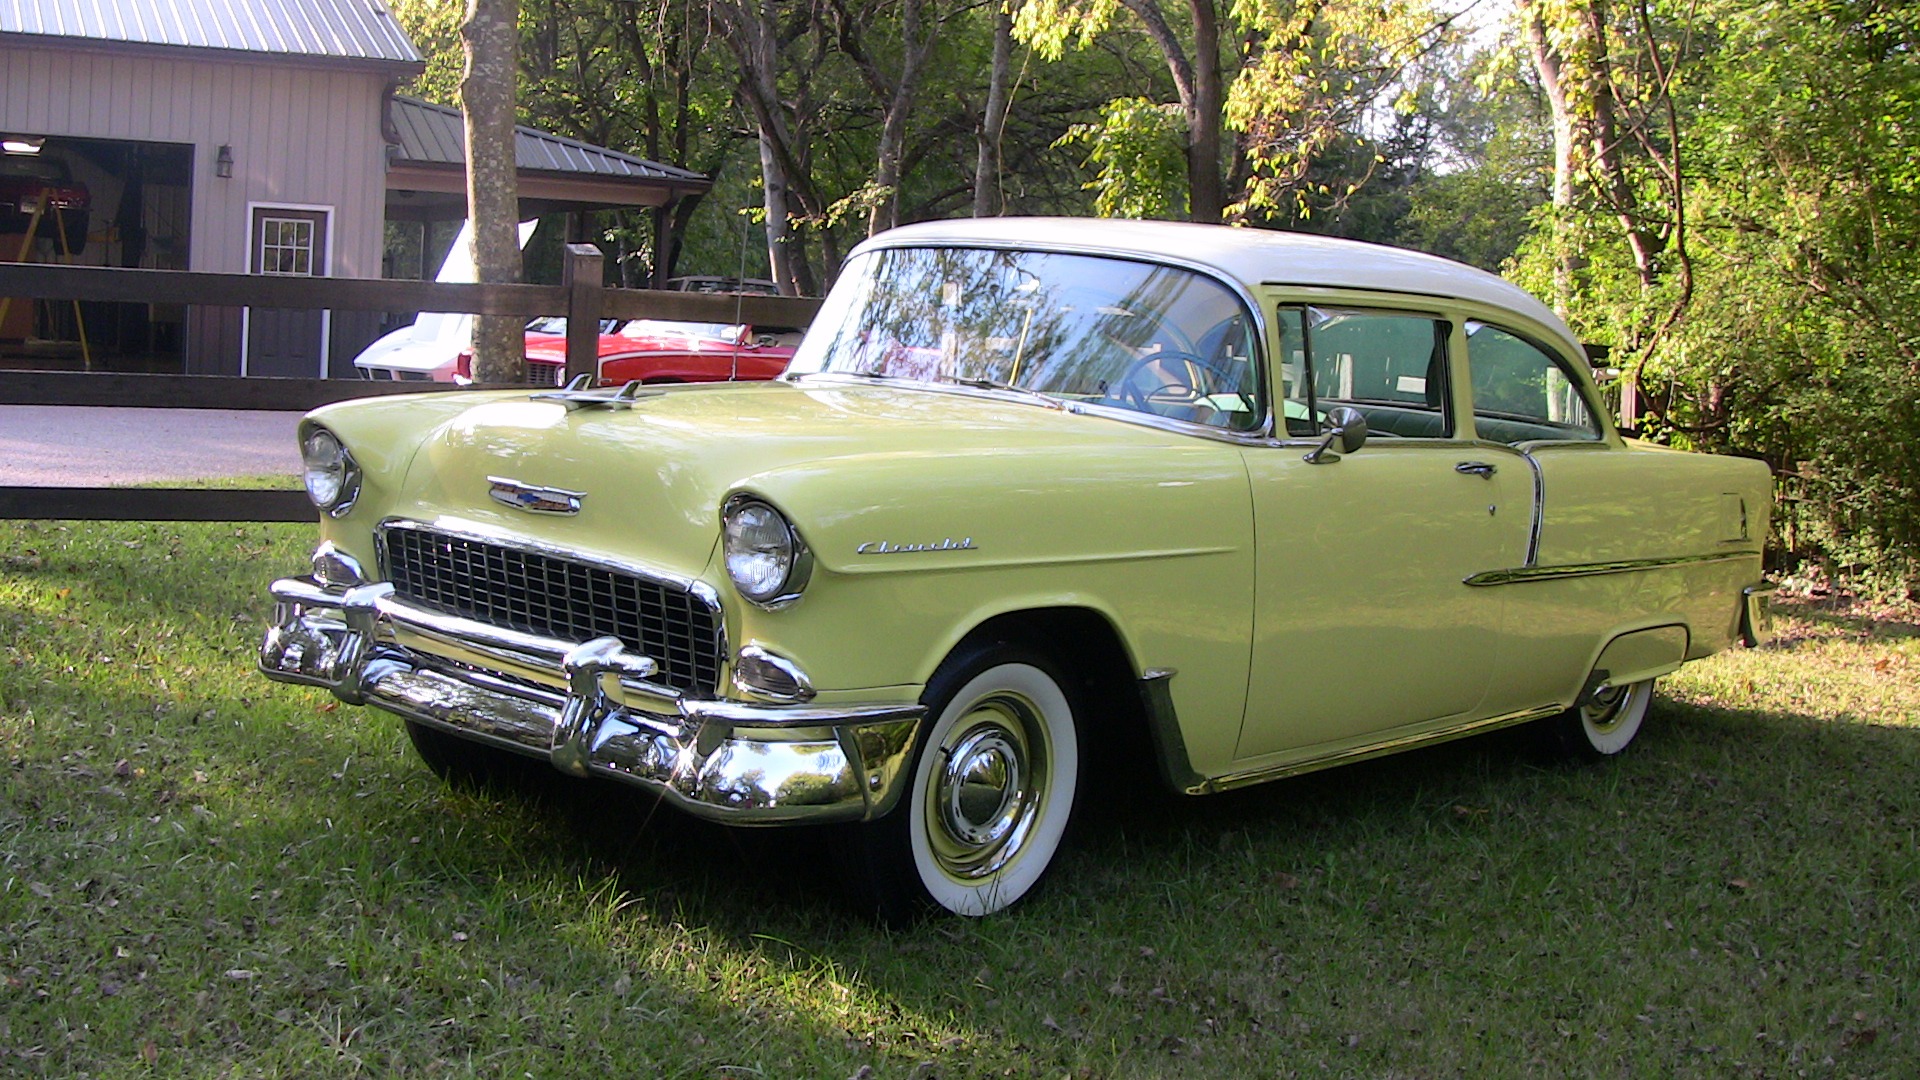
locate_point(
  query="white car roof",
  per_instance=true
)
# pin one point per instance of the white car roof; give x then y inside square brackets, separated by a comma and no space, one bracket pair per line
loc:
[1250,256]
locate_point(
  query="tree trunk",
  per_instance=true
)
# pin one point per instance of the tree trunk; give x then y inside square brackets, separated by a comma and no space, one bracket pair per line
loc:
[491,36]
[917,34]
[1205,197]
[987,198]
[1550,66]
[780,247]
[753,35]
[1615,186]
[1198,82]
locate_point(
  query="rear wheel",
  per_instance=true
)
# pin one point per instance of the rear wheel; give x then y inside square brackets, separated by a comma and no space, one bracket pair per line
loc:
[992,791]
[1603,725]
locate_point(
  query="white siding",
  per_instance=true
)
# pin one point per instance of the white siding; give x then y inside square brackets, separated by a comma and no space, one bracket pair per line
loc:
[300,135]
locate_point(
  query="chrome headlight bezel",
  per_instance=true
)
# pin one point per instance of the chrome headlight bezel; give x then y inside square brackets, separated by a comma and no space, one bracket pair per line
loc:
[329,472]
[753,530]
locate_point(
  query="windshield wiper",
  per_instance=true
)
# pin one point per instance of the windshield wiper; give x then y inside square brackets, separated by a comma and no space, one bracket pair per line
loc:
[1047,400]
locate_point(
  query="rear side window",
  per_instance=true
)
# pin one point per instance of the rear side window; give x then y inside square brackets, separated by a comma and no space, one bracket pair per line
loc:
[1522,392]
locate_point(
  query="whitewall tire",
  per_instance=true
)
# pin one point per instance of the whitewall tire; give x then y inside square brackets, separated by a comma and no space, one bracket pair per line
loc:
[1605,724]
[991,795]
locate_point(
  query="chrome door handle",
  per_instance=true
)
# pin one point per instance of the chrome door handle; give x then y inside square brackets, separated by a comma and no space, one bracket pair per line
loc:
[1475,468]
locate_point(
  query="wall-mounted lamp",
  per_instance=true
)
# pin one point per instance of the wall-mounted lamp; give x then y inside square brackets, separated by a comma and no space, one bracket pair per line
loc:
[21,144]
[223,162]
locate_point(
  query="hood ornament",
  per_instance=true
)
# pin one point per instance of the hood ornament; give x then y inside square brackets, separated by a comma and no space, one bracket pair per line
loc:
[580,394]
[532,498]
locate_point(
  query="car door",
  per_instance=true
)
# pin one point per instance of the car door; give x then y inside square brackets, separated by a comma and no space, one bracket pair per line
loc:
[1597,507]
[1363,621]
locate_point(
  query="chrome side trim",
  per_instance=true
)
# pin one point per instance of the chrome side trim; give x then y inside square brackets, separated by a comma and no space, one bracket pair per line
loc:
[763,716]
[1520,575]
[1232,781]
[1169,744]
[1539,509]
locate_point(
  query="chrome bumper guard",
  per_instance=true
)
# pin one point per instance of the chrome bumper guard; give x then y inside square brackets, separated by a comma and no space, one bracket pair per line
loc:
[1756,614]
[724,761]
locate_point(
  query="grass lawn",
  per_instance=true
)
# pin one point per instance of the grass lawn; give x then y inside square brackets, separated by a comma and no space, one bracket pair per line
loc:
[203,873]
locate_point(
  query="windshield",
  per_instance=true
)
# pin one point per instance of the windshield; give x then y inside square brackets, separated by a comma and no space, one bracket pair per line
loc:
[1110,332]
[726,333]
[557,325]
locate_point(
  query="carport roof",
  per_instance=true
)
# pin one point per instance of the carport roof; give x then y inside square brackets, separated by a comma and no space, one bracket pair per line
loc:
[436,135]
[343,31]
[427,168]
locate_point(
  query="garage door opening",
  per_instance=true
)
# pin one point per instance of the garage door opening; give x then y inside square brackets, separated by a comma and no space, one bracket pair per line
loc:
[93,202]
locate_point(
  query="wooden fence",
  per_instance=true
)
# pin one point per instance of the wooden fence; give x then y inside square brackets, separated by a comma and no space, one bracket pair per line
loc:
[581,298]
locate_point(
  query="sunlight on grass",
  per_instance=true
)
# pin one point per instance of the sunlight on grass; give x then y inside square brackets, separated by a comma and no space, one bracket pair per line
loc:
[204,873]
[1823,666]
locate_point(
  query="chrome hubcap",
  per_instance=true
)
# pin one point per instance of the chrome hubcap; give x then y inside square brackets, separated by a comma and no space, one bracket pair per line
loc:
[988,787]
[1604,711]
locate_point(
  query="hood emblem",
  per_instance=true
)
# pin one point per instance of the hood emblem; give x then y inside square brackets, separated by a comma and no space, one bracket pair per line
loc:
[887,547]
[534,499]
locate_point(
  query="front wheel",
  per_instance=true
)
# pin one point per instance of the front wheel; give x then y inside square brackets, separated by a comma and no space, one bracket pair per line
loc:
[992,791]
[1604,724]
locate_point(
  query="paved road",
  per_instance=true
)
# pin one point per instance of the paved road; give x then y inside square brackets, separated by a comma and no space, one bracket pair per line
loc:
[44,446]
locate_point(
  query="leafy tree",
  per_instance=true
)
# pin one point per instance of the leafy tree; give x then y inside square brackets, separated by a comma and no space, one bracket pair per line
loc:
[1752,249]
[1286,81]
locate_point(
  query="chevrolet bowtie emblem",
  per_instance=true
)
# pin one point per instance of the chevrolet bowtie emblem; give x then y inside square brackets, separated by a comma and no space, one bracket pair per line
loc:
[538,500]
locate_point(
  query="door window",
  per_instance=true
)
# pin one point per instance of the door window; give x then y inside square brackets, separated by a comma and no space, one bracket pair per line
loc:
[286,245]
[1392,366]
[1522,392]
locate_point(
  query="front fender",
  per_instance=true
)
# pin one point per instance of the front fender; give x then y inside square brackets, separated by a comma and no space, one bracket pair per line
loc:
[914,551]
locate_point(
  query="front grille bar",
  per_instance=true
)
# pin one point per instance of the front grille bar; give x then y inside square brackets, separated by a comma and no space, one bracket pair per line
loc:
[557,595]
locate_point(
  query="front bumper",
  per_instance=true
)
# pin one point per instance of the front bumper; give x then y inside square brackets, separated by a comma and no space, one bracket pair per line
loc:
[724,761]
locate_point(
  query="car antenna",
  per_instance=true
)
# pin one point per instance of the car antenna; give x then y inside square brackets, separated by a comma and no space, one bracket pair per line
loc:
[739,297]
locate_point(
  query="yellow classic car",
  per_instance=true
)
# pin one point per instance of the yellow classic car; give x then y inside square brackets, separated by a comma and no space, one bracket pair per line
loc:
[1252,502]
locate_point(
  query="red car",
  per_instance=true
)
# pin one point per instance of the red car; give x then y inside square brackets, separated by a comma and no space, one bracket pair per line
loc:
[26,180]
[663,351]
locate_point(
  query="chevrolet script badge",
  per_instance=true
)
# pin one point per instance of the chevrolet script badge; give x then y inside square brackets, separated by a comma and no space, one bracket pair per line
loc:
[538,500]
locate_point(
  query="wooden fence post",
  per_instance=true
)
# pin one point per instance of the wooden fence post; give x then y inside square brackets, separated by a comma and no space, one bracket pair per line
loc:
[582,281]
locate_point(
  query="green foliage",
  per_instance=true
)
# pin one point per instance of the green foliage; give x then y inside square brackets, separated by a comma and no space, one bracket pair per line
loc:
[1796,316]
[1135,153]
[434,27]
[1324,65]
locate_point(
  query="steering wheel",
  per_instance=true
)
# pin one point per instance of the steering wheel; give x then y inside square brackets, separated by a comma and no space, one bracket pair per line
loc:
[1163,381]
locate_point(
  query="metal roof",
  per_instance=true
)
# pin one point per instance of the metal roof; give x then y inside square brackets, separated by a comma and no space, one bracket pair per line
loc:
[348,30]
[436,135]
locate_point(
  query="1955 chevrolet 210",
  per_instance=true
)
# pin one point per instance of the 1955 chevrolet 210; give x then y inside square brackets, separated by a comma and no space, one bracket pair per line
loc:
[1255,503]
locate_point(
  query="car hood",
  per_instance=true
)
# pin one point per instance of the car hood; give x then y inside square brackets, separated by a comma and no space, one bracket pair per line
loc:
[861,470]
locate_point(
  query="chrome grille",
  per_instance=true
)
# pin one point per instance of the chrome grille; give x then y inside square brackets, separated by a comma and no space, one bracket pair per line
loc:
[557,597]
[541,373]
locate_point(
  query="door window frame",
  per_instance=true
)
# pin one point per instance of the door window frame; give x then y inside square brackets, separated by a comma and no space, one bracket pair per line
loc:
[1449,328]
[1598,419]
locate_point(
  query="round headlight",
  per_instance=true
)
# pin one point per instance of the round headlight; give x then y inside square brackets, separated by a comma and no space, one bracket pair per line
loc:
[333,480]
[765,557]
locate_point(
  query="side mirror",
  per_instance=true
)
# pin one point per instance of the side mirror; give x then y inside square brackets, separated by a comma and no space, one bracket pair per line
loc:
[1346,432]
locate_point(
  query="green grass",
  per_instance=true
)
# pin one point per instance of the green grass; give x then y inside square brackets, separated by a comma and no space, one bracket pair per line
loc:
[203,873]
